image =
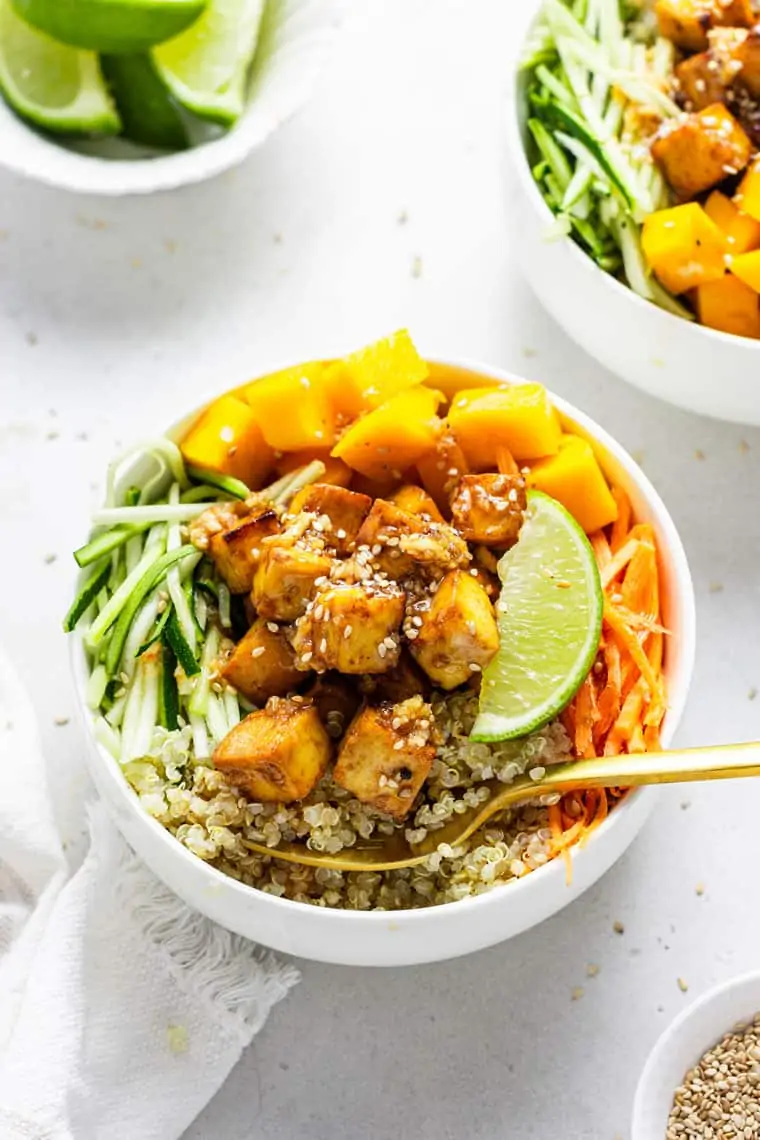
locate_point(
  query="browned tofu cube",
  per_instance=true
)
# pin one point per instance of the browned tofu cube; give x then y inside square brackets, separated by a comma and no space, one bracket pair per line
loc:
[284,580]
[236,552]
[337,701]
[701,150]
[747,56]
[401,543]
[386,756]
[403,681]
[489,509]
[417,502]
[277,754]
[457,634]
[687,22]
[351,627]
[263,664]
[339,512]
[699,81]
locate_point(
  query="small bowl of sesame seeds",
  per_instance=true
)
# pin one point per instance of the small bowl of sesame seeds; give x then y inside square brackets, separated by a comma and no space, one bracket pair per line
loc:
[702,1079]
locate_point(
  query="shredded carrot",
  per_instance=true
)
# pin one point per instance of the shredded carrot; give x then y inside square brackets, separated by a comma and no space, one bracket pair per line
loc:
[505,462]
[621,703]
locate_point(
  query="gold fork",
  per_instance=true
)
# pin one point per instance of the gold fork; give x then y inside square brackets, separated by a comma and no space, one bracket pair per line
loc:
[387,853]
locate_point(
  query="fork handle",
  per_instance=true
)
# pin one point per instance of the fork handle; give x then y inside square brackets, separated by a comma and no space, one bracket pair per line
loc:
[715,762]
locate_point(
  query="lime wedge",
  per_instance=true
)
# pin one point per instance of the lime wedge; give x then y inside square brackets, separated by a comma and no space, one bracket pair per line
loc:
[54,86]
[550,622]
[206,68]
[148,113]
[110,25]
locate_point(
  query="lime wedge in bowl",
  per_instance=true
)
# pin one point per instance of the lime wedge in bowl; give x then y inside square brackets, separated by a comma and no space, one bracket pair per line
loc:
[110,25]
[148,113]
[54,86]
[550,621]
[206,68]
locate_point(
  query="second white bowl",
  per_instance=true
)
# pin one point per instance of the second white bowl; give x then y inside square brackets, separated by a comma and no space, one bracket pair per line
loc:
[712,373]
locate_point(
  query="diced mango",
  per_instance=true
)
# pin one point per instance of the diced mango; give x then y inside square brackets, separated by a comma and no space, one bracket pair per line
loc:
[742,232]
[293,408]
[747,268]
[413,499]
[395,435]
[226,438]
[683,247]
[383,369]
[518,417]
[574,478]
[343,391]
[747,197]
[336,471]
[729,306]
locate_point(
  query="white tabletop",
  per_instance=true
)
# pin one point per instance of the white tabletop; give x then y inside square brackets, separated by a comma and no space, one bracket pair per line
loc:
[381,206]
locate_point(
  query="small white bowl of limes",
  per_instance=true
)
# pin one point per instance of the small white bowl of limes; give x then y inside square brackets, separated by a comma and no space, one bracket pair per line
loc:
[131,96]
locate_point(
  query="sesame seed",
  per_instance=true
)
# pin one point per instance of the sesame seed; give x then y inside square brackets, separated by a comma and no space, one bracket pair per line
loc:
[273,627]
[398,745]
[306,657]
[412,634]
[474,667]
[340,533]
[323,645]
[382,650]
[347,632]
[416,620]
[319,610]
[257,652]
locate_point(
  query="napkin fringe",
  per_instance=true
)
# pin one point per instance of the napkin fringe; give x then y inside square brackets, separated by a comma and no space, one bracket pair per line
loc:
[235,979]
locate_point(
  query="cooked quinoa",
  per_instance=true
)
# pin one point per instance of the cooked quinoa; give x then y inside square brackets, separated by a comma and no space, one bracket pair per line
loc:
[207,814]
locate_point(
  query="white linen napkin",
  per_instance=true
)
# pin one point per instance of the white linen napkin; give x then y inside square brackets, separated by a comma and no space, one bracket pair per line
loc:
[121,1010]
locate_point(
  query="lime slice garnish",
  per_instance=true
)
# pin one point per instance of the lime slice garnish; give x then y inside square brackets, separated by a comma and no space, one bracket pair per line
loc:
[550,623]
[110,25]
[56,87]
[206,68]
[148,113]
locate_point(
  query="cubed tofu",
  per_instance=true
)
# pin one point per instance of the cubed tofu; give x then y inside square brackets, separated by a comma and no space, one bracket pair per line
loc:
[403,681]
[747,55]
[489,508]
[386,756]
[340,513]
[440,471]
[336,700]
[701,150]
[236,552]
[457,635]
[263,664]
[687,22]
[699,81]
[277,754]
[353,628]
[408,543]
[417,502]
[284,580]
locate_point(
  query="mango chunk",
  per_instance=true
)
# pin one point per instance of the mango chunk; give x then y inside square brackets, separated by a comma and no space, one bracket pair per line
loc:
[343,391]
[747,197]
[517,417]
[382,369]
[729,306]
[226,438]
[441,470]
[394,436]
[574,478]
[336,471]
[747,268]
[741,231]
[683,247]
[293,408]
[413,499]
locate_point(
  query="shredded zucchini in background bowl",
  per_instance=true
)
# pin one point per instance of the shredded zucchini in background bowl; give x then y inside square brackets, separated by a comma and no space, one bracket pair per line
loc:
[594,77]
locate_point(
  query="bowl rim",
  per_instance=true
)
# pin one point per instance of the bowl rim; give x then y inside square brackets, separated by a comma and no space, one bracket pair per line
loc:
[512,106]
[669,1038]
[683,599]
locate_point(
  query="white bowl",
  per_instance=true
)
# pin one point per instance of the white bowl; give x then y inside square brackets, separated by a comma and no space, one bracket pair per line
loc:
[302,34]
[692,1033]
[408,937]
[696,368]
